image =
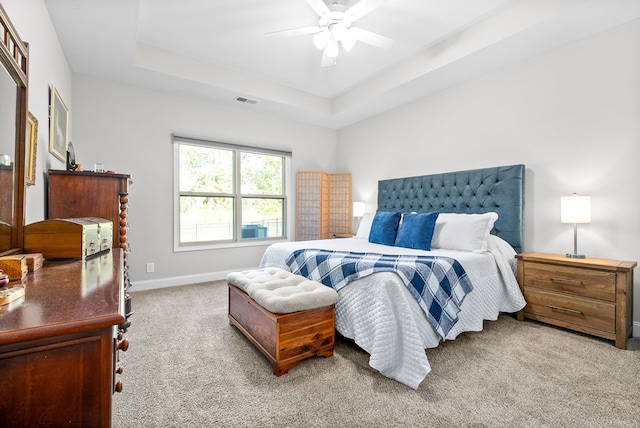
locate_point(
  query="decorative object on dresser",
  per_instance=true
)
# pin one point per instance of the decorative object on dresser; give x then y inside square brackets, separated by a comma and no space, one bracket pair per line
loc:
[575,209]
[34,261]
[76,194]
[590,295]
[8,295]
[78,238]
[323,204]
[14,266]
[71,157]
[59,344]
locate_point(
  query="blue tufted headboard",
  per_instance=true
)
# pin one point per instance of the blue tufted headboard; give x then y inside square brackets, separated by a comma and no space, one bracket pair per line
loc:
[499,189]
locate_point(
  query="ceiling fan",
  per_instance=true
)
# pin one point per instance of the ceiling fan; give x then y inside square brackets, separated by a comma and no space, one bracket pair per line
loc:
[335,29]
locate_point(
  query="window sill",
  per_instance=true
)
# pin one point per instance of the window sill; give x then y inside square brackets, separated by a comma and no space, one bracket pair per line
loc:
[252,243]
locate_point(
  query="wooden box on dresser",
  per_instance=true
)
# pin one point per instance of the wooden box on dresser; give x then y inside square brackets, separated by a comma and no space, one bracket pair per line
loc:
[590,295]
[59,345]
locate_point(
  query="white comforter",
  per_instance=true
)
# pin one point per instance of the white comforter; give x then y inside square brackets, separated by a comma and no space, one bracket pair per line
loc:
[380,315]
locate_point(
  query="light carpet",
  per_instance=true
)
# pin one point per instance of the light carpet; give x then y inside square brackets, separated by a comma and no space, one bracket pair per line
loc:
[187,367]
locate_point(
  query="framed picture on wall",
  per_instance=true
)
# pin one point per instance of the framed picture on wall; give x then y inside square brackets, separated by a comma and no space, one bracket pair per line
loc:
[32,148]
[58,125]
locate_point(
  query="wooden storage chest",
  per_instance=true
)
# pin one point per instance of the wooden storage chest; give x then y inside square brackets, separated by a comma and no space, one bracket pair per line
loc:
[61,238]
[284,339]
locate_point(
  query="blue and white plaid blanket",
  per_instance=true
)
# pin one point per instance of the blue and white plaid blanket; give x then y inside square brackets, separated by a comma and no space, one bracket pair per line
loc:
[439,284]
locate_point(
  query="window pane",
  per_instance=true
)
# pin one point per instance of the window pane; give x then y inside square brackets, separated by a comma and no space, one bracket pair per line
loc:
[262,218]
[205,218]
[261,174]
[204,169]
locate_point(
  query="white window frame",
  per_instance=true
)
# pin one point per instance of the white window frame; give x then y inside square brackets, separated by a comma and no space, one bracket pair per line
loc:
[177,139]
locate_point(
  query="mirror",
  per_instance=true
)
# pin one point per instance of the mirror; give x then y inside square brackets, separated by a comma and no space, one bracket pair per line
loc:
[13,131]
[7,149]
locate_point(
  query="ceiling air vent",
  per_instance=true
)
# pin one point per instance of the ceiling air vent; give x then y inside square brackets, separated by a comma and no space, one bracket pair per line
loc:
[246,100]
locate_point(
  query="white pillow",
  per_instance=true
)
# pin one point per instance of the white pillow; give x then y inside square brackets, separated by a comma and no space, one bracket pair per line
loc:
[464,232]
[365,226]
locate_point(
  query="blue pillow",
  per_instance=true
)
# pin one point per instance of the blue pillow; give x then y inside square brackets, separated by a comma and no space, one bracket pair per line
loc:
[384,228]
[417,230]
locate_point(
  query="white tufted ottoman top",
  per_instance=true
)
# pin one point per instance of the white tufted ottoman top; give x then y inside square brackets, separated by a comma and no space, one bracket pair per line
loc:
[282,292]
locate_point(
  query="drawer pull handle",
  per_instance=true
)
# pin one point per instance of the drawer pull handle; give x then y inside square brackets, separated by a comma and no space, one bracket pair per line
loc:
[566,281]
[558,308]
[123,345]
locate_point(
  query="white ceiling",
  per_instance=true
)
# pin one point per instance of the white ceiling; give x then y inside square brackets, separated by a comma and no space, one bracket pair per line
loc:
[217,49]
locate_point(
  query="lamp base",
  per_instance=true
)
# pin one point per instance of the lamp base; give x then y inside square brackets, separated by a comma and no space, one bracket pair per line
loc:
[576,256]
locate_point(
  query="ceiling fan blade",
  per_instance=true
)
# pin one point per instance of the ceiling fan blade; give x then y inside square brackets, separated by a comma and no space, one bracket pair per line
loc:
[293,32]
[363,7]
[372,39]
[319,6]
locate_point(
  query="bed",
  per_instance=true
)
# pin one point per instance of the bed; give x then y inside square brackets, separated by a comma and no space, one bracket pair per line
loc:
[478,227]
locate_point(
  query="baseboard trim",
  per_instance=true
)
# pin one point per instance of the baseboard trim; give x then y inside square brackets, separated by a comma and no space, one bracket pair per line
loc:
[175,281]
[635,332]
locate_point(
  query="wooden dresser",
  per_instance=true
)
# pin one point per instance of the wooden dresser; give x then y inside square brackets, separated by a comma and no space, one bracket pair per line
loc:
[59,345]
[86,194]
[75,194]
[590,295]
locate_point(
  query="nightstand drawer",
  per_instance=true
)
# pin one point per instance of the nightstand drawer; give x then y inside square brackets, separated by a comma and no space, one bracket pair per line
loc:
[589,313]
[577,281]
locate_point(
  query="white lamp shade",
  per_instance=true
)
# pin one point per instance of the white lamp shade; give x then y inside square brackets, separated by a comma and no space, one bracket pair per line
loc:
[358,209]
[332,49]
[575,209]
[321,39]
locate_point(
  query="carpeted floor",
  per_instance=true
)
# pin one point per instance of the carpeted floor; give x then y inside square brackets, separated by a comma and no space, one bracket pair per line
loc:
[186,367]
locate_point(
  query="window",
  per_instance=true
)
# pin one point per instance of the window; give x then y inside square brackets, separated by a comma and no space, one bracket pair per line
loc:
[227,193]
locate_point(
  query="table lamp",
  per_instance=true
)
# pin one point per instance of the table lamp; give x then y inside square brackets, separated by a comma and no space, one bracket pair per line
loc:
[575,209]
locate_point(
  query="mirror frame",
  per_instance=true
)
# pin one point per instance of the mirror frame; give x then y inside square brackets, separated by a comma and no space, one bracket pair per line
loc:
[14,57]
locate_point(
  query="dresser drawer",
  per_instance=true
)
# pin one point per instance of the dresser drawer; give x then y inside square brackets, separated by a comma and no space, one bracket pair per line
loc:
[577,281]
[589,313]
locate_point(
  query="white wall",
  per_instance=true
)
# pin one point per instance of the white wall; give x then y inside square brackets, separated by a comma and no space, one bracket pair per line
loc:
[572,116]
[129,130]
[47,66]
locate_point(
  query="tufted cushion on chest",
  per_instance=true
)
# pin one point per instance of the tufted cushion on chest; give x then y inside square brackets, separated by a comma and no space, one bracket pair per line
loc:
[282,292]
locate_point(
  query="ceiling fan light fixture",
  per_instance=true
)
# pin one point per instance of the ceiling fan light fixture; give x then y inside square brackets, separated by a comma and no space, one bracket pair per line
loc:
[339,30]
[322,38]
[334,27]
[332,48]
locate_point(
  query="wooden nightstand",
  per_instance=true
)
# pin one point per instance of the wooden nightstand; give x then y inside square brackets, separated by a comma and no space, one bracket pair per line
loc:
[593,296]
